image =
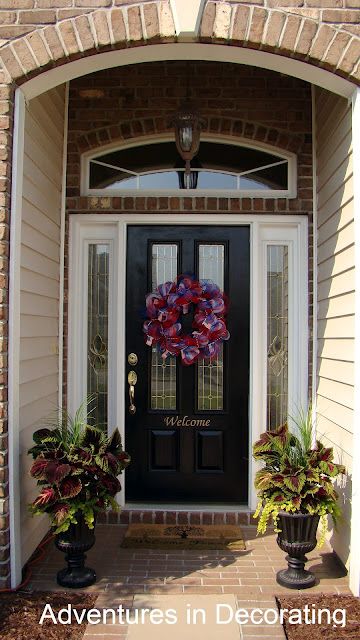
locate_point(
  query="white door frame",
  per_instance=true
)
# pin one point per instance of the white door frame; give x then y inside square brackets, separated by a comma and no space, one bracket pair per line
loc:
[264,230]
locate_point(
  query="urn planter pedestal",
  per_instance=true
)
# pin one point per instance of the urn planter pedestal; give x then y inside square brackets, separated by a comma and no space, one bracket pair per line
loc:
[297,537]
[74,542]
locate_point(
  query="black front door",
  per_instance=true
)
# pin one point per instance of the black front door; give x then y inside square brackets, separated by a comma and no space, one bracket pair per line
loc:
[189,435]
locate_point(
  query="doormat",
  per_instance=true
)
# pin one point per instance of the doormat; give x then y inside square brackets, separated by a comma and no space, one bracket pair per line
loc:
[184,536]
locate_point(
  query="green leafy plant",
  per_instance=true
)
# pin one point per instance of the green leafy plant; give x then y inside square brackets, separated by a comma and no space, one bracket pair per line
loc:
[298,477]
[76,467]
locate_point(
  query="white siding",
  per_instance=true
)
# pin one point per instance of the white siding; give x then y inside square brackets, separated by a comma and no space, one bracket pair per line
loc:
[39,283]
[336,283]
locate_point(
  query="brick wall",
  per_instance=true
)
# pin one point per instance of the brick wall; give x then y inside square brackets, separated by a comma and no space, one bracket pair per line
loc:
[234,100]
[6,95]
[19,17]
[127,102]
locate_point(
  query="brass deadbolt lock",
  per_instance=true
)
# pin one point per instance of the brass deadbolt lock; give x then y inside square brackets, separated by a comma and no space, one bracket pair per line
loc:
[132,359]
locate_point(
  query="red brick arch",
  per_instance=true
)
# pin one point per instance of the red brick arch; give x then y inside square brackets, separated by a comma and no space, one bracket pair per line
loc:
[142,128]
[266,29]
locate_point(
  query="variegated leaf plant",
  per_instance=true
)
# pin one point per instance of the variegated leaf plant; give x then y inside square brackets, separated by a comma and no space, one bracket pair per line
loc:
[76,466]
[297,477]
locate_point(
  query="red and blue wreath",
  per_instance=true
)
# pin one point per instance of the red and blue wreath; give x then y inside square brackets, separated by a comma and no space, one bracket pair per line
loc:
[164,307]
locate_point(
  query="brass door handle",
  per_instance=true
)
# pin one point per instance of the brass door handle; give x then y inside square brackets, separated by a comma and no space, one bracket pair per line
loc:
[132,380]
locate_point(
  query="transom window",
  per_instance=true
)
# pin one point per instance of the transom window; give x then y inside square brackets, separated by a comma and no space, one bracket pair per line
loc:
[221,167]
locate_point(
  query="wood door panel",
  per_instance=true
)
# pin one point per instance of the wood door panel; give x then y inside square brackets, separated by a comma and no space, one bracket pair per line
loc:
[163,450]
[210,449]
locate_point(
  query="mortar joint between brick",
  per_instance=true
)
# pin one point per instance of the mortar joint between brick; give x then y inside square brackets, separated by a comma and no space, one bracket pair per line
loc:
[329,46]
[32,52]
[353,39]
[249,23]
[142,20]
[77,36]
[43,39]
[232,21]
[17,58]
[357,68]
[126,23]
[158,15]
[298,35]
[93,31]
[308,55]
[78,39]
[111,32]
[265,29]
[58,31]
[314,42]
[220,7]
[282,30]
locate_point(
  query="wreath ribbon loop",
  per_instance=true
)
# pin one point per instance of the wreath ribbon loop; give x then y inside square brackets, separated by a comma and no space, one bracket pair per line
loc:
[171,299]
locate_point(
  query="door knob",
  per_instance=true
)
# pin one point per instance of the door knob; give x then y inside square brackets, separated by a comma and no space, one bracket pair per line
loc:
[132,380]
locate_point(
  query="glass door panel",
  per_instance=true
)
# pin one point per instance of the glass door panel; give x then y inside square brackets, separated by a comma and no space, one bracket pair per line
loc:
[210,374]
[164,268]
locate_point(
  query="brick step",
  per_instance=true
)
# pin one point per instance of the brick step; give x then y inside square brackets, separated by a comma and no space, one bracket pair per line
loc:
[165,516]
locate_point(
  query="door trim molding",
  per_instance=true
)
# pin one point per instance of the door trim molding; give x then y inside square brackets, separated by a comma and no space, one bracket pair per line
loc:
[264,230]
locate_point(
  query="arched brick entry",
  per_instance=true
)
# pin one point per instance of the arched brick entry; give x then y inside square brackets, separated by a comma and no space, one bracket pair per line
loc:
[271,30]
[244,130]
[238,25]
[284,33]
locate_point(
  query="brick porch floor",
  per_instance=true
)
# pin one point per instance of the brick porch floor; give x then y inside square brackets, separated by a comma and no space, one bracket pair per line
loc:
[249,575]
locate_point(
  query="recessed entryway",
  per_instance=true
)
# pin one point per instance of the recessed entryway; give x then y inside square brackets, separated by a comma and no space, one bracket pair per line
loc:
[263,267]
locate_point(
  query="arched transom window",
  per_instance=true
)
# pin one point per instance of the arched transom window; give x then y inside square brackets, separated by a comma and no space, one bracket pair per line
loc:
[221,167]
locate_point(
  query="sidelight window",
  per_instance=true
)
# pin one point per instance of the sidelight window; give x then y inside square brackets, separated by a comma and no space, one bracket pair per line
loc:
[277,335]
[97,331]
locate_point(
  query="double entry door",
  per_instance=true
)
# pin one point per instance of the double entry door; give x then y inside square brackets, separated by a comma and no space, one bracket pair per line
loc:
[187,427]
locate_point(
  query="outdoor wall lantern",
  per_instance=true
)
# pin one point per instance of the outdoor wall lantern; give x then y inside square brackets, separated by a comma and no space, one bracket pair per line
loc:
[187,125]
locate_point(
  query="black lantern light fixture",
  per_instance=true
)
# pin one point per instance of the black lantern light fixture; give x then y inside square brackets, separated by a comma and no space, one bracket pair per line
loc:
[187,125]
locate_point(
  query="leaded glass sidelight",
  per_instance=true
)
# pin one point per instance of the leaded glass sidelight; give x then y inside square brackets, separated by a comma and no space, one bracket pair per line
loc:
[164,268]
[210,374]
[277,335]
[97,338]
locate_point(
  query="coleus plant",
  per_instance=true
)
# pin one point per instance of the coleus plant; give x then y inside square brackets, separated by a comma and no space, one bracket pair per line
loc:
[76,467]
[297,477]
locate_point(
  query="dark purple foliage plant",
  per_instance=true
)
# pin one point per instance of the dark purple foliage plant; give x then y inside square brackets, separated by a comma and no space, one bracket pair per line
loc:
[76,466]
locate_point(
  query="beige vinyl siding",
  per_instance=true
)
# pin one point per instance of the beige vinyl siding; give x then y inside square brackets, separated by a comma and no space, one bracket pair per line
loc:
[39,285]
[336,284]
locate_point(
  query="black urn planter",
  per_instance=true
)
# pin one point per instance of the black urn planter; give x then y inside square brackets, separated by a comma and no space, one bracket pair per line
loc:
[74,542]
[297,537]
